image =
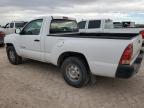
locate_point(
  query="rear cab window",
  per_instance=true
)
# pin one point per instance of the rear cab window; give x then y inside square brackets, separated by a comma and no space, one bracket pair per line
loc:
[94,24]
[63,26]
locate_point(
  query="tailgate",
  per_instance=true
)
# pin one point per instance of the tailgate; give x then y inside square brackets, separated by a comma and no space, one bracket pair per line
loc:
[137,44]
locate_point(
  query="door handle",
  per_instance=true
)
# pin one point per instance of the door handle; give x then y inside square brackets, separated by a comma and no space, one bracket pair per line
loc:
[36,40]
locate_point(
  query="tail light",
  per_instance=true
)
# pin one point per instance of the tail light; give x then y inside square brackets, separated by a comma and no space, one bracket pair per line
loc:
[2,34]
[142,33]
[127,55]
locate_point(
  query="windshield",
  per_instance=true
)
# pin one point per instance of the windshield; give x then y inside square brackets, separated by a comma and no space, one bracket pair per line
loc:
[20,25]
[63,26]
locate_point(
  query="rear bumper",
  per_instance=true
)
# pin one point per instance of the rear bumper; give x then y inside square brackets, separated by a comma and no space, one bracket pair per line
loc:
[127,71]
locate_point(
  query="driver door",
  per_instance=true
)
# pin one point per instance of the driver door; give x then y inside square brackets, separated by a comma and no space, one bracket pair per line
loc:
[30,40]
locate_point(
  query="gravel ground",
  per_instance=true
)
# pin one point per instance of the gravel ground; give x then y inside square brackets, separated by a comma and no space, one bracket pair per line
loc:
[39,85]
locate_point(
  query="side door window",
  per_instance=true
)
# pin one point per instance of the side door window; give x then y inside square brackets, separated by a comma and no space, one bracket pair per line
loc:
[11,25]
[94,24]
[33,28]
[82,24]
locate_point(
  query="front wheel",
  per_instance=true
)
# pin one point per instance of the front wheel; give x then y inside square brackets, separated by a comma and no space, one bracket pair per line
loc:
[2,45]
[75,72]
[12,56]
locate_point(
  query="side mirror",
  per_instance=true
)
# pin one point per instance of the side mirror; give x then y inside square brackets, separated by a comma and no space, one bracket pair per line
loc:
[17,31]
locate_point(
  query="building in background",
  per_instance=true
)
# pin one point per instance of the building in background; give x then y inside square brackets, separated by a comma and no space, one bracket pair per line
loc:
[117,24]
[139,25]
[125,24]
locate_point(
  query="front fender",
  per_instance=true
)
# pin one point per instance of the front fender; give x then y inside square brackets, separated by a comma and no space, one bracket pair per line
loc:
[12,39]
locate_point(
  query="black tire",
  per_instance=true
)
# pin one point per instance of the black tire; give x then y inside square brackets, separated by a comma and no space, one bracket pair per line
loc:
[11,53]
[83,76]
[2,45]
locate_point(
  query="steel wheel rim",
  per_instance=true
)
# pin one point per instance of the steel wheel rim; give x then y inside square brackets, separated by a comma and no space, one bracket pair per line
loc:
[73,72]
[11,55]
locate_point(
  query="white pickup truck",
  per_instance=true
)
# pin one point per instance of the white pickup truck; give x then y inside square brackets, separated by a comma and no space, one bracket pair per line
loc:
[56,40]
[106,26]
[10,28]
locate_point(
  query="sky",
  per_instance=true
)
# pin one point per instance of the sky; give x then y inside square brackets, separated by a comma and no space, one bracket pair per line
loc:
[118,10]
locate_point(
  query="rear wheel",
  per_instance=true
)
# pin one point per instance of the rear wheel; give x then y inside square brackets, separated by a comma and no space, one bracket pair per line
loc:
[12,56]
[75,72]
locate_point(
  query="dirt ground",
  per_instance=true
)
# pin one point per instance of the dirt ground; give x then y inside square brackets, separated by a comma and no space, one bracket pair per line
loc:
[39,85]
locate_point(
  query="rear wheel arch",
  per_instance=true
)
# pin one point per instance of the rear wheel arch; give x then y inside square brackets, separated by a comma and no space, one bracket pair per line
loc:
[9,44]
[65,55]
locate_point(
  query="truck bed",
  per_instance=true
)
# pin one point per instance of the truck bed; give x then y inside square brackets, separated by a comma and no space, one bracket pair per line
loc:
[123,30]
[125,36]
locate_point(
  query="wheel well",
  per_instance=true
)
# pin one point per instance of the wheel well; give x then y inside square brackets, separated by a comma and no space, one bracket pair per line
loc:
[72,54]
[9,44]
